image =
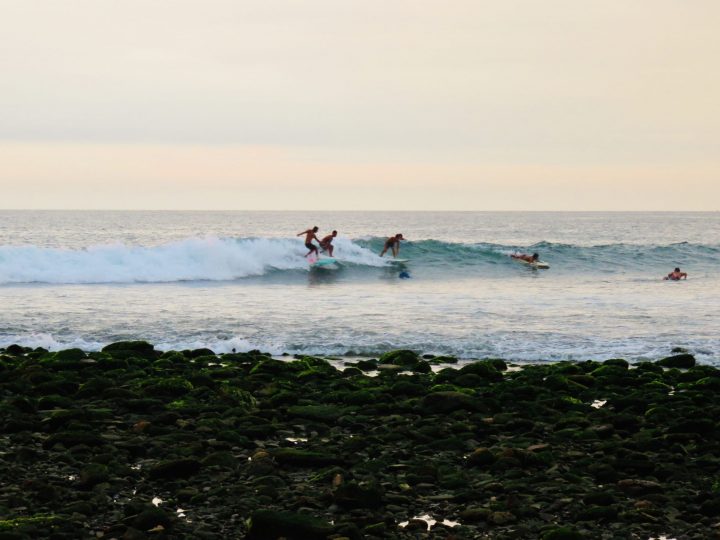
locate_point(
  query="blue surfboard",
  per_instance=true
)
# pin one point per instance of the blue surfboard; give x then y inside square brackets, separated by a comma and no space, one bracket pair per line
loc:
[323,262]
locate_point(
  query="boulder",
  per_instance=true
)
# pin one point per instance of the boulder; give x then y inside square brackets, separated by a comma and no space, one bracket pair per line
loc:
[126,349]
[683,361]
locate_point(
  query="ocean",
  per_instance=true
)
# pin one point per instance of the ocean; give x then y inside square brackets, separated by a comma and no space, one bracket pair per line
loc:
[238,280]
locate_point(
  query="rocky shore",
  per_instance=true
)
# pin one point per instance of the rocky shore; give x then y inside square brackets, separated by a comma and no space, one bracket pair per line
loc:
[132,443]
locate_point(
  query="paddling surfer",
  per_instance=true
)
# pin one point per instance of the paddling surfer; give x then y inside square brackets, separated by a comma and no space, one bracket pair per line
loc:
[393,243]
[525,257]
[676,275]
[326,243]
[309,237]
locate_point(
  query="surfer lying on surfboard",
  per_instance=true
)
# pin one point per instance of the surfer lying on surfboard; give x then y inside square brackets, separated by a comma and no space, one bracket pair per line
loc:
[309,237]
[393,243]
[525,257]
[676,275]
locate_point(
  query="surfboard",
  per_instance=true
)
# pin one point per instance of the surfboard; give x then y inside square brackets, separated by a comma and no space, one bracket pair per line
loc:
[323,262]
[541,265]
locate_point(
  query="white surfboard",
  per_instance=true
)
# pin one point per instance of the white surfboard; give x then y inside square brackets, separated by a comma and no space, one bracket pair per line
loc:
[541,265]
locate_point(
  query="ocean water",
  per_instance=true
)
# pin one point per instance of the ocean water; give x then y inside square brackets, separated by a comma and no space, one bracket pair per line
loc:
[238,280]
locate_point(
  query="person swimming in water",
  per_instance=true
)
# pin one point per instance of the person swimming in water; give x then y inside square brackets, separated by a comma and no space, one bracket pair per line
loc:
[393,243]
[309,237]
[326,243]
[525,257]
[676,275]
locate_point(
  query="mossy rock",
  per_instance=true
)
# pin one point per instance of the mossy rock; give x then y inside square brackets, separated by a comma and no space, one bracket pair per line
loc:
[224,460]
[367,365]
[197,353]
[445,402]
[126,349]
[423,366]
[304,458]
[93,474]
[272,366]
[682,361]
[237,397]
[322,413]
[620,362]
[69,355]
[482,368]
[598,513]
[562,533]
[16,350]
[443,360]
[272,524]
[73,438]
[169,387]
[401,357]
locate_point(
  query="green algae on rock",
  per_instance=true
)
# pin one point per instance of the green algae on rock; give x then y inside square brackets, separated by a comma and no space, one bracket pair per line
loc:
[116,443]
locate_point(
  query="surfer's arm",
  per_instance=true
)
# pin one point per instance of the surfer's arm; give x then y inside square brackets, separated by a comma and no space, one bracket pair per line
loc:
[301,233]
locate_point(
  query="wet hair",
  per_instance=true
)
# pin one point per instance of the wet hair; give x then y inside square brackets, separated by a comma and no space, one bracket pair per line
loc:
[536,256]
[334,233]
[677,269]
[315,228]
[398,235]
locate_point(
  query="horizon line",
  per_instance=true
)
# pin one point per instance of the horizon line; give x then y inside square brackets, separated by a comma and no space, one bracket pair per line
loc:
[325,211]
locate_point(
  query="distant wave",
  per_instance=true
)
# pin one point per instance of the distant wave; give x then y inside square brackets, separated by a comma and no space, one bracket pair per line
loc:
[225,259]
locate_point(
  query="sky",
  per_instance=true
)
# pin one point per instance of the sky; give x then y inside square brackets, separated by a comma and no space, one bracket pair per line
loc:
[360,104]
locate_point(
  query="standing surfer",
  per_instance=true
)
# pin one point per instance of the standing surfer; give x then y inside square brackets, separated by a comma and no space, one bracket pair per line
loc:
[309,237]
[393,243]
[326,243]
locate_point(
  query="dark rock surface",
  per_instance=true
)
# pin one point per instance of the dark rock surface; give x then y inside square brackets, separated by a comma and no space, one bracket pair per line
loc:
[131,443]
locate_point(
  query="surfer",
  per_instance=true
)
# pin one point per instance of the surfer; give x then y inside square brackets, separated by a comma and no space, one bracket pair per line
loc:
[326,243]
[393,243]
[676,275]
[309,237]
[525,257]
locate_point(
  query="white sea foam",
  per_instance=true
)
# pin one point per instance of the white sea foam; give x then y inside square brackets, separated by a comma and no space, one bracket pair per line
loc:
[191,259]
[50,342]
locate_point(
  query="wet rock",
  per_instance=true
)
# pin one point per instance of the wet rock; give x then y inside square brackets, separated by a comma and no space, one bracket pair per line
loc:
[353,495]
[271,525]
[179,468]
[304,458]
[445,402]
[562,533]
[682,361]
[481,457]
[150,518]
[639,486]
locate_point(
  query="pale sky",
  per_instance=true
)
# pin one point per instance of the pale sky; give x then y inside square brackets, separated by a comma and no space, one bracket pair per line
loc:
[360,104]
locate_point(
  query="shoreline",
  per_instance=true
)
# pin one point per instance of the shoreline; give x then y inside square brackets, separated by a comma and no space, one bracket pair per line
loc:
[189,444]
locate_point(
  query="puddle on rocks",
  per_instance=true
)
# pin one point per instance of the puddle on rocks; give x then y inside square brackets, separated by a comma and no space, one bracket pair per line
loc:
[598,403]
[296,440]
[427,518]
